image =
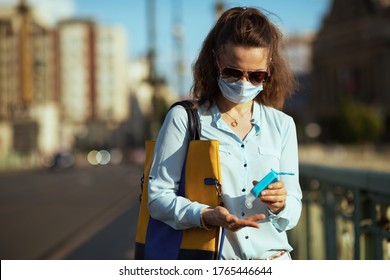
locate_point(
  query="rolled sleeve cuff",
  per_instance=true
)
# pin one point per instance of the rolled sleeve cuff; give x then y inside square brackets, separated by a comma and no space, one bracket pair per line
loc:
[193,213]
[278,221]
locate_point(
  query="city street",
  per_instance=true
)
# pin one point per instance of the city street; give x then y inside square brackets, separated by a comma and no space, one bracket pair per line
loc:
[79,213]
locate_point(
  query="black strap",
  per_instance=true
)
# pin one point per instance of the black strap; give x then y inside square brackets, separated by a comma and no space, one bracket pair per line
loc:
[193,118]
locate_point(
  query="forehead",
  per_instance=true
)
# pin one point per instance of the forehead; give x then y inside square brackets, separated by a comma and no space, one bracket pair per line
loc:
[243,57]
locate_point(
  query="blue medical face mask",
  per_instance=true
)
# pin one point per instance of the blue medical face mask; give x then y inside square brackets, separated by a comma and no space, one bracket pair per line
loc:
[240,91]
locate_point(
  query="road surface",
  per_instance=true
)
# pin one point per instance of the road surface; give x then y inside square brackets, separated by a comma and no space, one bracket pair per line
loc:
[79,213]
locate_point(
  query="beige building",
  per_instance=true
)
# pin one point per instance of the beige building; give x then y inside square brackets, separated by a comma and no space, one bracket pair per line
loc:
[93,71]
[77,56]
[112,101]
[94,93]
[28,84]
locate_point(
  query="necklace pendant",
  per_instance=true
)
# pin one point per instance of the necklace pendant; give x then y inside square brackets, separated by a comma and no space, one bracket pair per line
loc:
[234,123]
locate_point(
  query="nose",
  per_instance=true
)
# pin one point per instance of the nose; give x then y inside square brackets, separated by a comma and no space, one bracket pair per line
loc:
[245,76]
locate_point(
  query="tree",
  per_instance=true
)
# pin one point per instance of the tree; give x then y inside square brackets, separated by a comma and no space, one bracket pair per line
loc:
[358,122]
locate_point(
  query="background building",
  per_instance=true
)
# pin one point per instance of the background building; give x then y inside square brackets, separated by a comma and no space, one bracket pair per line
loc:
[111,71]
[94,89]
[70,87]
[62,87]
[351,62]
[28,84]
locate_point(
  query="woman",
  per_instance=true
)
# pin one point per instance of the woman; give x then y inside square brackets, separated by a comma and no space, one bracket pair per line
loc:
[240,83]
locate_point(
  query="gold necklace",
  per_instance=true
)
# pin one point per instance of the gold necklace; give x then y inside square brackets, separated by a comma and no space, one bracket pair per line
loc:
[234,123]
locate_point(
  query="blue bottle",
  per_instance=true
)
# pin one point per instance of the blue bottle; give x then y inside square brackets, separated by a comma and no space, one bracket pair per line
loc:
[270,178]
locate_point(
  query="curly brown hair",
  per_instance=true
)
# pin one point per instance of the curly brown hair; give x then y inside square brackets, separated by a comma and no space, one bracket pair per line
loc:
[247,27]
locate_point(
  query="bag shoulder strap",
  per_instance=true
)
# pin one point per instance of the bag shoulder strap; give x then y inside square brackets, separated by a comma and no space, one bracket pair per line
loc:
[193,118]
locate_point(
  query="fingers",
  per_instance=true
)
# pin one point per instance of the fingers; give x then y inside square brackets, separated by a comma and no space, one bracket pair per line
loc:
[276,189]
[251,221]
[274,196]
[231,219]
[220,216]
[256,218]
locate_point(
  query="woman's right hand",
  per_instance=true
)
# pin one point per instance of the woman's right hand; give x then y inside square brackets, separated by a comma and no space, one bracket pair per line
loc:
[220,216]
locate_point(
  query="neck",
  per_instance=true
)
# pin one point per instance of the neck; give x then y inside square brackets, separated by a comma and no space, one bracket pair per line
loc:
[240,110]
[235,114]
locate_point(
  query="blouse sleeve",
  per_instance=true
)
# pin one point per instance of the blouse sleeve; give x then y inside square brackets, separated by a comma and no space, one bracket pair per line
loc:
[169,155]
[289,216]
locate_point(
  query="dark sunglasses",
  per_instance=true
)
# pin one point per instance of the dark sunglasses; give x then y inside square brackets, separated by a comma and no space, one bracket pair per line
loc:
[233,75]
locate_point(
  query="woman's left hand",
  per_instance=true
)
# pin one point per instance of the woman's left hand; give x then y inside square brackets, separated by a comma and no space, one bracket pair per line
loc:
[274,196]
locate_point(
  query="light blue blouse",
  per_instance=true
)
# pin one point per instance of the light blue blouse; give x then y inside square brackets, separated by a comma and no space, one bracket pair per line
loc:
[271,144]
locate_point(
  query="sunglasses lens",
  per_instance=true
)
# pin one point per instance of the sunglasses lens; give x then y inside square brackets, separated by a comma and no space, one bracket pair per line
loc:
[231,75]
[258,77]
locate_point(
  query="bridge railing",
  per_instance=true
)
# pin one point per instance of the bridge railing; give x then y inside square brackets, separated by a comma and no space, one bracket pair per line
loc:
[346,214]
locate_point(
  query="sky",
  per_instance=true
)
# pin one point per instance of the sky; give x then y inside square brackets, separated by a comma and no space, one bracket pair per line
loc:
[196,16]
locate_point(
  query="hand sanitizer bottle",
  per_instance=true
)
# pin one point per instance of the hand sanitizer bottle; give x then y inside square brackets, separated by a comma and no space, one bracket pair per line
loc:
[270,178]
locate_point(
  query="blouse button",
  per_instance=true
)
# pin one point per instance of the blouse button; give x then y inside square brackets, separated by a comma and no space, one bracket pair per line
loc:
[245,165]
[243,190]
